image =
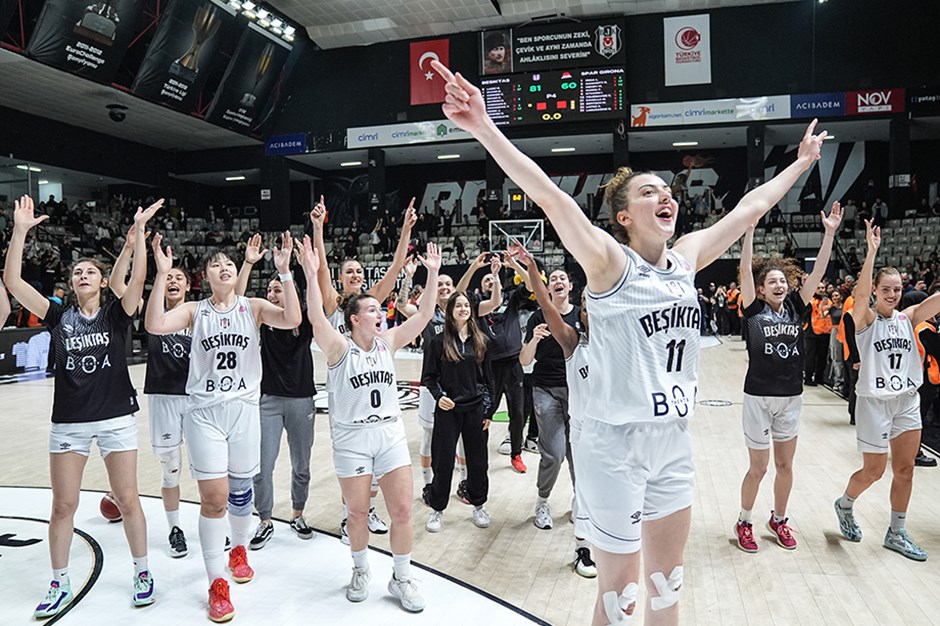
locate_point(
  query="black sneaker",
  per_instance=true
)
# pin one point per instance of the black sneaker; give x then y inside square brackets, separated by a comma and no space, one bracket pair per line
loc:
[262,535]
[228,544]
[300,528]
[462,492]
[177,543]
[922,460]
[583,564]
[426,495]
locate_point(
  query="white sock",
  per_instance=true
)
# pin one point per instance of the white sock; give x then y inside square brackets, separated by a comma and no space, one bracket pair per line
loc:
[778,518]
[371,504]
[463,471]
[846,502]
[539,500]
[241,529]
[212,532]
[428,474]
[580,543]
[173,518]
[60,574]
[140,564]
[744,516]
[402,566]
[360,558]
[897,520]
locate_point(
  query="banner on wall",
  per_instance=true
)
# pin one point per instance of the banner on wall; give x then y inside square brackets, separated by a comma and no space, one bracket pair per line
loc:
[534,48]
[727,110]
[85,37]
[404,134]
[249,80]
[874,101]
[817,105]
[427,86]
[924,101]
[687,45]
[184,51]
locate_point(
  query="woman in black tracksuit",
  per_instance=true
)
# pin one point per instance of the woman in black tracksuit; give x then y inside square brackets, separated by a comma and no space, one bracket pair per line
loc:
[457,373]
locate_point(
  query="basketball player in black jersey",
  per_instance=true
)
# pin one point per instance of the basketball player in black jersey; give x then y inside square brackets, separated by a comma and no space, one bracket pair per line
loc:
[165,387]
[94,399]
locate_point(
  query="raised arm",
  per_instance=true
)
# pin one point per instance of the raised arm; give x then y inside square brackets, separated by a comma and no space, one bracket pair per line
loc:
[746,269]
[861,311]
[496,296]
[830,225]
[131,299]
[597,252]
[331,341]
[324,281]
[4,305]
[566,336]
[402,335]
[289,316]
[253,254]
[117,281]
[925,310]
[381,289]
[158,320]
[704,246]
[477,264]
[402,305]
[24,219]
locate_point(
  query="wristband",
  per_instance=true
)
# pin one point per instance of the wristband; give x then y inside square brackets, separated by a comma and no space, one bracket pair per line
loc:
[286,277]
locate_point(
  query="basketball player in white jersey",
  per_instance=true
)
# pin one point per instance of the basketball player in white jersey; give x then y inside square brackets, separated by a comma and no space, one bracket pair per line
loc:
[634,465]
[222,420]
[574,345]
[887,412]
[773,386]
[94,399]
[351,279]
[368,436]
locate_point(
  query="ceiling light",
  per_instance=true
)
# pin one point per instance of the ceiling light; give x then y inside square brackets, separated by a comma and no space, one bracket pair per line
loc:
[445,157]
[830,137]
[231,178]
[44,182]
[262,13]
[289,31]
[350,164]
[562,149]
[31,168]
[684,144]
[249,6]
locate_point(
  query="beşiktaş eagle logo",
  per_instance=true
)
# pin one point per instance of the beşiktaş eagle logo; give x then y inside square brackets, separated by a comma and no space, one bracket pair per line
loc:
[607,40]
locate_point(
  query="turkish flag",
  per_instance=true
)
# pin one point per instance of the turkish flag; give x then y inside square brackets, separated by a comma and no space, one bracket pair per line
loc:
[427,86]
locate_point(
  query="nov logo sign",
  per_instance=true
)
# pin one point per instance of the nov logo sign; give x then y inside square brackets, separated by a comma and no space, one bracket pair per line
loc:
[879,101]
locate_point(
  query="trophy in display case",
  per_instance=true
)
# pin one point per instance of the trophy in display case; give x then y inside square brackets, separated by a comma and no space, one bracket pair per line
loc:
[264,64]
[98,23]
[205,25]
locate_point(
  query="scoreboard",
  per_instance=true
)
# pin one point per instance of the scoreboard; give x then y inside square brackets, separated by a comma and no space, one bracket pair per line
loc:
[555,96]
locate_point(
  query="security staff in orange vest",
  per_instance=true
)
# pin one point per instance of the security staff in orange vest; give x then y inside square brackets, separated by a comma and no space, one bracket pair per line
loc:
[928,344]
[733,306]
[817,338]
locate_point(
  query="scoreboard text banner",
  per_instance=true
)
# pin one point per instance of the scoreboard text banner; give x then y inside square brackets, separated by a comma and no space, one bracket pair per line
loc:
[184,51]
[85,37]
[595,43]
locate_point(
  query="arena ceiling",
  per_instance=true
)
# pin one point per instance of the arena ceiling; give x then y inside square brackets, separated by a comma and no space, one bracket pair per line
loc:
[340,23]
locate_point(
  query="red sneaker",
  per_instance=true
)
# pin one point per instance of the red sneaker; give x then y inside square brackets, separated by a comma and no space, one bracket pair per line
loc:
[238,564]
[782,532]
[745,533]
[220,607]
[517,464]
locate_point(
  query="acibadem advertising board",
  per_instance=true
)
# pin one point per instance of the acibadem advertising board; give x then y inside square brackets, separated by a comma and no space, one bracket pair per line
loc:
[85,37]
[184,51]
[249,81]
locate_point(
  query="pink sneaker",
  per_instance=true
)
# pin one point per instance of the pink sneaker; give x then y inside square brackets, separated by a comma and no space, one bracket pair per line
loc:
[745,533]
[782,532]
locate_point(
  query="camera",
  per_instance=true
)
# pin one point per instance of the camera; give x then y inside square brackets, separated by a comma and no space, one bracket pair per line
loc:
[117,112]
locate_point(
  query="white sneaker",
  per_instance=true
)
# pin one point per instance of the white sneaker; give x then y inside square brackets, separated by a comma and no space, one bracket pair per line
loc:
[506,446]
[481,518]
[343,535]
[407,592]
[435,522]
[531,445]
[376,525]
[358,588]
[584,564]
[543,516]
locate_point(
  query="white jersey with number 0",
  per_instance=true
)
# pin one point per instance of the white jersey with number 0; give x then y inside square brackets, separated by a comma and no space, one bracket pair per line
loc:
[362,387]
[644,344]
[889,360]
[225,358]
